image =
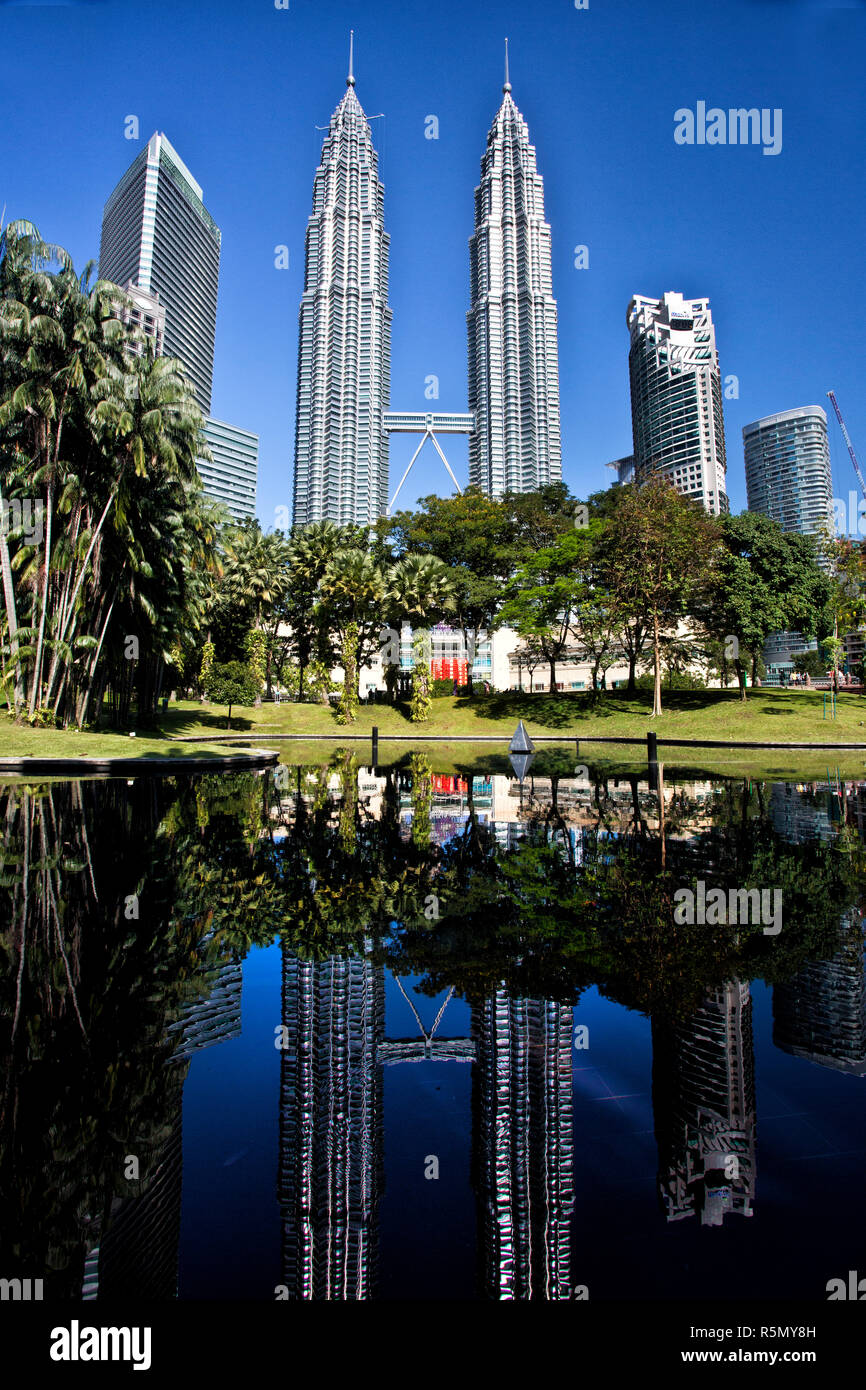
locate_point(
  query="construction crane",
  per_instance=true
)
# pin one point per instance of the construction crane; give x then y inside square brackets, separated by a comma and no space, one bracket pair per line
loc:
[846,436]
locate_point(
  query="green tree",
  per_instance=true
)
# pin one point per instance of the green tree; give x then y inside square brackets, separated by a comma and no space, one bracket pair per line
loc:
[257,658]
[352,598]
[811,664]
[471,534]
[310,551]
[421,702]
[766,580]
[207,660]
[349,694]
[632,630]
[548,592]
[104,437]
[232,683]
[660,549]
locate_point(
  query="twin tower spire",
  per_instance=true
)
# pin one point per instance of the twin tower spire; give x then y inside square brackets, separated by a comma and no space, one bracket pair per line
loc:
[344,354]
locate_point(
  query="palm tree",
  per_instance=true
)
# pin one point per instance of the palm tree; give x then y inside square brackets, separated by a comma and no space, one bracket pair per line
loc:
[419,585]
[111,435]
[352,595]
[310,550]
[51,359]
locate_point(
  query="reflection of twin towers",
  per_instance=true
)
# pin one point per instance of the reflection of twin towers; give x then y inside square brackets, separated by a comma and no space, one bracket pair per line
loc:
[332,1132]
[332,1122]
[332,1127]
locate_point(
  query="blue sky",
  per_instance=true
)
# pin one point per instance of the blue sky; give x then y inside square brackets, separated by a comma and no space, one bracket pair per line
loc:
[776,242]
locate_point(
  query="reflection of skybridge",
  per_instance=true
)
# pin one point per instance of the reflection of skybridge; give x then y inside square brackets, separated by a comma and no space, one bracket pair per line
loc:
[427,1048]
[428,424]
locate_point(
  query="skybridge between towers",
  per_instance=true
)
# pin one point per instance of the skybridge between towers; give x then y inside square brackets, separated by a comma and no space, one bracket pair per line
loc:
[428,424]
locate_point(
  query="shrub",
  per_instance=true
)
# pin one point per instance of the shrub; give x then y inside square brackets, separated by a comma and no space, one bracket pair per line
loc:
[811,662]
[673,680]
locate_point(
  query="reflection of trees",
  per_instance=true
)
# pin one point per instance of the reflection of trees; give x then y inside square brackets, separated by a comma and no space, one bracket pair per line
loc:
[89,994]
[563,907]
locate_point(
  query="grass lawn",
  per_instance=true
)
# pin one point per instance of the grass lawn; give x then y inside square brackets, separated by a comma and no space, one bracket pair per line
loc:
[774,716]
[23,742]
[680,764]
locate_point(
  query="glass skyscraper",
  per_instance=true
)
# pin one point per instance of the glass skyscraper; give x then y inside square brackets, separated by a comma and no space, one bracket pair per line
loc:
[676,397]
[230,476]
[512,321]
[158,235]
[789,479]
[344,352]
[788,475]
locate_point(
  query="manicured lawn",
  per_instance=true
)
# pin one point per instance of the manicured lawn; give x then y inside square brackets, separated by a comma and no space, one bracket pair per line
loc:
[774,716]
[613,761]
[18,741]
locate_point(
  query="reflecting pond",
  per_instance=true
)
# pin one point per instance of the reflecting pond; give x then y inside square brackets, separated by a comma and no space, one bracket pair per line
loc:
[337,1032]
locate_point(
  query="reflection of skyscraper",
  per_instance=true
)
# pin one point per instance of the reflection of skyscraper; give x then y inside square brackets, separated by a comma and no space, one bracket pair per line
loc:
[331,1137]
[138,1253]
[513,355]
[798,818]
[704,1101]
[214,1018]
[344,352]
[523,1153]
[820,1014]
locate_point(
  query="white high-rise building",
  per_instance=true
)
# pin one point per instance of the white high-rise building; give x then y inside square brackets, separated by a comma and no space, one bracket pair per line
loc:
[344,354]
[512,322]
[676,397]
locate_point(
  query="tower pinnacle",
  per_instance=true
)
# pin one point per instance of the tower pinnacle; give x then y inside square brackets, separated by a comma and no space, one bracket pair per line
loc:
[513,368]
[507,87]
[350,80]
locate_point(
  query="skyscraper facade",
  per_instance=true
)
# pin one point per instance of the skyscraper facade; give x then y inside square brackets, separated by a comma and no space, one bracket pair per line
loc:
[344,354]
[157,235]
[523,1146]
[512,321]
[788,476]
[789,479]
[676,397]
[331,1171]
[230,474]
[145,316]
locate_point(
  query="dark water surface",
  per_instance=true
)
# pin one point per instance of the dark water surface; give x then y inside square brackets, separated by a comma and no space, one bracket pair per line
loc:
[331,1033]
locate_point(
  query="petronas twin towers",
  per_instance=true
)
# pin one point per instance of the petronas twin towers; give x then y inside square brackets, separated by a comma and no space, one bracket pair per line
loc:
[344,358]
